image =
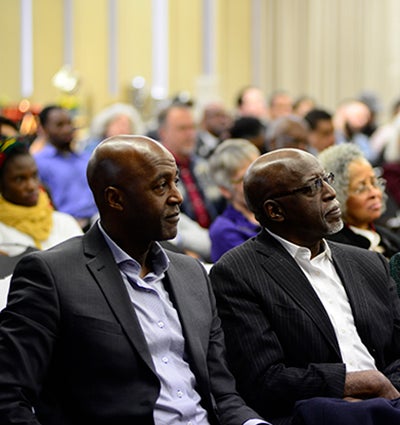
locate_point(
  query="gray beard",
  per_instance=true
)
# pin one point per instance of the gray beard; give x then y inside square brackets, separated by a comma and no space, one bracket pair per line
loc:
[335,228]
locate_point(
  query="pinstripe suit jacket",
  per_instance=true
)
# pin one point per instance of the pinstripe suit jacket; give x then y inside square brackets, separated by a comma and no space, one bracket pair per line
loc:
[280,342]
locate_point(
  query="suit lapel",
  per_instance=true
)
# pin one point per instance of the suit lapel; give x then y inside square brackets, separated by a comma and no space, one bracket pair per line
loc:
[355,286]
[180,281]
[287,274]
[107,275]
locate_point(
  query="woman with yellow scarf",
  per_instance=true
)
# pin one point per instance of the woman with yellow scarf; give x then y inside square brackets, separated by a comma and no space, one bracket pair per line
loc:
[27,217]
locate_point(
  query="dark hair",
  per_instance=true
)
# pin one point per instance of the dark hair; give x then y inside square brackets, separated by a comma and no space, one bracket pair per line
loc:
[8,122]
[245,127]
[11,147]
[316,115]
[45,112]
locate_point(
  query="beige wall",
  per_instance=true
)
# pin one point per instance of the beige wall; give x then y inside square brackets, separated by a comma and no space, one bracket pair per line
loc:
[328,49]
[90,57]
[332,49]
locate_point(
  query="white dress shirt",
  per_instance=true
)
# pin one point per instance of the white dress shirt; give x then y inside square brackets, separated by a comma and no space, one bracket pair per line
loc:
[325,281]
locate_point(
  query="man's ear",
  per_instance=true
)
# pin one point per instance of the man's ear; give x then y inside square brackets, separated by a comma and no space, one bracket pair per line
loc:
[113,198]
[273,210]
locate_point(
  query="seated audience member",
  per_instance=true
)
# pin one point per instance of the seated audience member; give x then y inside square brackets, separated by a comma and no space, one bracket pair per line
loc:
[213,128]
[280,104]
[27,219]
[202,200]
[321,133]
[391,163]
[237,223]
[391,173]
[385,140]
[303,105]
[349,120]
[362,201]
[251,102]
[304,317]
[287,132]
[61,169]
[374,104]
[109,328]
[251,129]
[118,118]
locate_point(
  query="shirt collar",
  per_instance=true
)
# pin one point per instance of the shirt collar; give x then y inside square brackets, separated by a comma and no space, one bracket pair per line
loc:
[297,251]
[159,258]
[53,151]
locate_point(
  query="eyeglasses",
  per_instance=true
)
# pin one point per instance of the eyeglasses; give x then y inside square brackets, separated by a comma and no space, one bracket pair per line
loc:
[312,189]
[363,187]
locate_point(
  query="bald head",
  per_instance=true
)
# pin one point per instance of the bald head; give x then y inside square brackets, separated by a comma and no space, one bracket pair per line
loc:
[274,172]
[134,182]
[114,159]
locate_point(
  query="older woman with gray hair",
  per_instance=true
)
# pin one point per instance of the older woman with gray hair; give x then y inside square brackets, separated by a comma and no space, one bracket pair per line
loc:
[115,119]
[362,199]
[228,165]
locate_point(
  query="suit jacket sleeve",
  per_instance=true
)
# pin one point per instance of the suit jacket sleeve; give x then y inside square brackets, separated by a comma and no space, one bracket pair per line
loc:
[28,330]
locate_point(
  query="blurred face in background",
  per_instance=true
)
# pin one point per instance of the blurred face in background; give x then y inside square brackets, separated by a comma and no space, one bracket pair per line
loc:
[323,135]
[216,120]
[121,124]
[59,129]
[178,133]
[254,104]
[365,200]
[281,105]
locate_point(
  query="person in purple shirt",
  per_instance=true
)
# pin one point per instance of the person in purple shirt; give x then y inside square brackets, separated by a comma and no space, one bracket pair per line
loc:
[62,170]
[237,223]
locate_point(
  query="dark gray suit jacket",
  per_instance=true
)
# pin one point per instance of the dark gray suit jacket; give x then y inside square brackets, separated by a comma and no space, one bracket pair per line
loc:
[71,344]
[280,342]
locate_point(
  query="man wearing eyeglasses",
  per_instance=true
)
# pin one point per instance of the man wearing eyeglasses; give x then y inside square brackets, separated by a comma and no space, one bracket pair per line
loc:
[305,318]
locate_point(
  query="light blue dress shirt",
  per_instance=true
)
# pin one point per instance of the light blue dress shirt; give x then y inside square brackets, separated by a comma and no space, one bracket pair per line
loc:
[178,402]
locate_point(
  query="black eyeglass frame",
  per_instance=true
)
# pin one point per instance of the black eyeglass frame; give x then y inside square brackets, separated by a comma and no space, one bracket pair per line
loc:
[311,189]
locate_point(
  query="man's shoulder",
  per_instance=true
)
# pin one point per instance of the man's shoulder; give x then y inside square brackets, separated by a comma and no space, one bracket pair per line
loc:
[345,248]
[177,258]
[246,253]
[363,256]
[48,151]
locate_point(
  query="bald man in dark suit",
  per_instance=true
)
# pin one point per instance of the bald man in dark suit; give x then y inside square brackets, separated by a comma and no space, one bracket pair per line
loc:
[304,317]
[109,328]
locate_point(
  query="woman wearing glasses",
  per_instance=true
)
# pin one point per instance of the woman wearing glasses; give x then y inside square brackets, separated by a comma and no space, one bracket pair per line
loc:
[362,199]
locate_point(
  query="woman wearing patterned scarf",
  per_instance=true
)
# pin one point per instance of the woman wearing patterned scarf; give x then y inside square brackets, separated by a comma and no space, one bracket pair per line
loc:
[27,217]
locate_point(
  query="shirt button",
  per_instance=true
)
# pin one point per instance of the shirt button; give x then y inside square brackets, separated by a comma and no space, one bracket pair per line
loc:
[165,360]
[161,324]
[179,393]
